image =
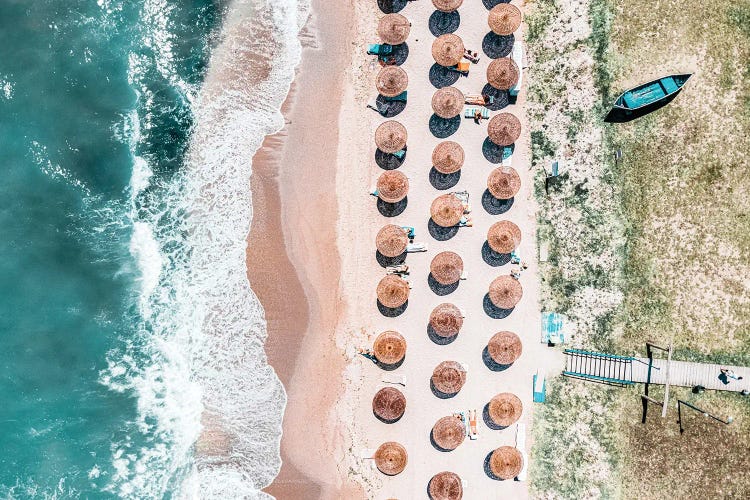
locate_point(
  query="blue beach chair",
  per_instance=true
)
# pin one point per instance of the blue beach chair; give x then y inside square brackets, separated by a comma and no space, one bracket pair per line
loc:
[376,49]
[469,113]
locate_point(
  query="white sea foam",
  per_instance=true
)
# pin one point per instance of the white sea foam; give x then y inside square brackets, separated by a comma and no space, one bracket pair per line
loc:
[203,329]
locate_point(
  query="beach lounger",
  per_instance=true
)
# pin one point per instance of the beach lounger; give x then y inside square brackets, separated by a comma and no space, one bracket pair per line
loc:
[539,387]
[464,275]
[368,454]
[394,379]
[464,484]
[465,222]
[470,112]
[401,270]
[416,247]
[462,67]
[473,434]
[399,98]
[400,154]
[409,231]
[464,197]
[377,49]
[521,436]
[515,256]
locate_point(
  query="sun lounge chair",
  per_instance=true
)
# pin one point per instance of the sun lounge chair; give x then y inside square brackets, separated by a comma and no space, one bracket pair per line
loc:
[464,484]
[416,247]
[377,49]
[394,379]
[540,388]
[400,154]
[471,113]
[409,231]
[462,67]
[464,275]
[521,446]
[515,256]
[479,99]
[464,197]
[399,98]
[473,434]
[465,222]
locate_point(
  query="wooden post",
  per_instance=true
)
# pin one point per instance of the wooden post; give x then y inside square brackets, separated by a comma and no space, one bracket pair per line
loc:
[666,389]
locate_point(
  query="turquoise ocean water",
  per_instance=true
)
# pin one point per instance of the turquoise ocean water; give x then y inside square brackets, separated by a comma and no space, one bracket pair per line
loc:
[104,305]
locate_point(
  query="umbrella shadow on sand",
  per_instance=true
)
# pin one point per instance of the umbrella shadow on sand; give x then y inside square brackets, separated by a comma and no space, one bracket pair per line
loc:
[488,420]
[388,161]
[439,339]
[493,258]
[390,261]
[501,97]
[439,288]
[494,206]
[443,181]
[391,6]
[392,209]
[392,312]
[439,394]
[442,23]
[493,311]
[444,127]
[491,364]
[497,45]
[440,76]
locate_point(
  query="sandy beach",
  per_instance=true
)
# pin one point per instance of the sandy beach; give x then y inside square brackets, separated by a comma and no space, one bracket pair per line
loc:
[318,282]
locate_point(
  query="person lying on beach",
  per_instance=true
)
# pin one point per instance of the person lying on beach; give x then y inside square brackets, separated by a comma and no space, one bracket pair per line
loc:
[477,116]
[471,56]
[515,273]
[730,374]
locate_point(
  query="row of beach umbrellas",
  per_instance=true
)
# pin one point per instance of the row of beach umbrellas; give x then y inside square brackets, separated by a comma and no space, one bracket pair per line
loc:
[446,320]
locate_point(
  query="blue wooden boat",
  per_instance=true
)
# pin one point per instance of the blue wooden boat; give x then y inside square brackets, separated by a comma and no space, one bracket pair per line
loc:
[651,93]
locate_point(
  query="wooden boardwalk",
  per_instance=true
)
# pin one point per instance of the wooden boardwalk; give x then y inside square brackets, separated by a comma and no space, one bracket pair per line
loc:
[689,374]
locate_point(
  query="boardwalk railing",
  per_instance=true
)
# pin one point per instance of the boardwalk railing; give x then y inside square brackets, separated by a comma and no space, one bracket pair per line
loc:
[599,367]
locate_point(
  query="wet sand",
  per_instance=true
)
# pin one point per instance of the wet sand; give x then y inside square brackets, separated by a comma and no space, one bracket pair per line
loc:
[293,261]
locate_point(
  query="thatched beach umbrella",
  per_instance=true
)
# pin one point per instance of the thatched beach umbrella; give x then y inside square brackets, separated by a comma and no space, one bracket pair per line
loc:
[393,291]
[503,183]
[505,348]
[390,458]
[447,268]
[391,240]
[504,236]
[445,486]
[447,5]
[505,292]
[505,409]
[504,129]
[502,73]
[391,81]
[393,29]
[448,157]
[448,102]
[447,50]
[390,136]
[389,347]
[449,432]
[506,462]
[504,19]
[446,210]
[389,404]
[393,186]
[449,377]
[446,320]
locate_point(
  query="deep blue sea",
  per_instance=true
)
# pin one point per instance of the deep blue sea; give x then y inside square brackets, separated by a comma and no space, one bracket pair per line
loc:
[111,354]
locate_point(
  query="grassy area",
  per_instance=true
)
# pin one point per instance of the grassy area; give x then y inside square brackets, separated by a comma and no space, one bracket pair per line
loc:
[653,247]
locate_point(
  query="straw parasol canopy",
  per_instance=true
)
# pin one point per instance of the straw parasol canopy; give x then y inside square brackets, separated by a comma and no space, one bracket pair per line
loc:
[505,348]
[447,5]
[446,320]
[506,462]
[449,432]
[504,19]
[448,157]
[448,102]
[390,458]
[446,486]
[393,186]
[505,409]
[446,210]
[449,377]
[447,50]
[502,73]
[391,81]
[391,240]
[447,268]
[393,29]
[393,291]
[505,292]
[504,183]
[389,404]
[390,136]
[389,347]
[503,236]
[504,129]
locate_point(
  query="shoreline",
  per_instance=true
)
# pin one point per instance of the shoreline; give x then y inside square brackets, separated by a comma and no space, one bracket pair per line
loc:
[298,281]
